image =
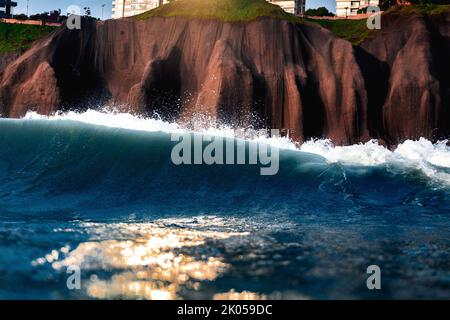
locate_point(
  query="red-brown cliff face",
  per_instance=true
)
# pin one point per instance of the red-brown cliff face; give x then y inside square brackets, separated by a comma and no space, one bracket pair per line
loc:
[295,76]
[415,50]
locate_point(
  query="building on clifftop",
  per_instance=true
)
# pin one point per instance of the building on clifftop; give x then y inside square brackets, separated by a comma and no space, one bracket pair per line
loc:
[294,6]
[345,8]
[127,8]
[6,8]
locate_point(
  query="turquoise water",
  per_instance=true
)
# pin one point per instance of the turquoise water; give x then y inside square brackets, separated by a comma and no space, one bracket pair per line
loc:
[104,196]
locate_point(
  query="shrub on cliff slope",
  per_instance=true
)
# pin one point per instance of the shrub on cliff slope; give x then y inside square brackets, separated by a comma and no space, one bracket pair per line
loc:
[356,31]
[226,10]
[15,37]
[425,9]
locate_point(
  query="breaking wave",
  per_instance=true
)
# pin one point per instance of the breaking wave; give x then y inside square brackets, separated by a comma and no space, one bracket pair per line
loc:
[432,160]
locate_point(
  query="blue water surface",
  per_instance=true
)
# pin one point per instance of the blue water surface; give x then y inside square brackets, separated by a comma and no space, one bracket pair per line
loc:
[111,202]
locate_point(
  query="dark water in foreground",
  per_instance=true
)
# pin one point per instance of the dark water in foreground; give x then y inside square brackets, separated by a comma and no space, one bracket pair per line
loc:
[110,201]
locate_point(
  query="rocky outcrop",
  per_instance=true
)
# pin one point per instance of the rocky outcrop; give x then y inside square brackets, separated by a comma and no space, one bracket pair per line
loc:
[293,76]
[7,58]
[416,52]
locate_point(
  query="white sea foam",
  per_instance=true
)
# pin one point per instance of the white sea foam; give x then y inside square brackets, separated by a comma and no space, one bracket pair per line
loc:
[432,159]
[133,122]
[109,119]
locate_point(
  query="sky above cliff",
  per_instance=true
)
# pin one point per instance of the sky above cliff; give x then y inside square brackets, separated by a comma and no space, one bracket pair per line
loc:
[37,6]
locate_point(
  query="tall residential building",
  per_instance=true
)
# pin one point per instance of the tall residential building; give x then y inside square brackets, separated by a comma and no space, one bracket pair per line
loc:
[6,8]
[293,6]
[127,8]
[345,8]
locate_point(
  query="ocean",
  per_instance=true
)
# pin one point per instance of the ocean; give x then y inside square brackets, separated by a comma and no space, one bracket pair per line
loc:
[95,194]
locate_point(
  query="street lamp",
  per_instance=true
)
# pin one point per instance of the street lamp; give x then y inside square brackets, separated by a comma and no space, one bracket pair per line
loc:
[103,7]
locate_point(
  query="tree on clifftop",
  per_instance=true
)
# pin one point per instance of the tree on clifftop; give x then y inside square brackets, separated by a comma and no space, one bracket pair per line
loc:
[319,12]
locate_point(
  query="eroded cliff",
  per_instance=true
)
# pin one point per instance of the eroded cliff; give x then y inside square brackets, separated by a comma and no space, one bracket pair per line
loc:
[296,76]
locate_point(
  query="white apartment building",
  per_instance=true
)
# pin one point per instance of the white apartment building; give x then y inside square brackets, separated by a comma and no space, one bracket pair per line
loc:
[127,8]
[345,8]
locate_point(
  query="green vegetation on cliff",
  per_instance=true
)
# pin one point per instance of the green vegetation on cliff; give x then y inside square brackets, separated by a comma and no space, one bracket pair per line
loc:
[226,10]
[355,31]
[16,37]
[425,9]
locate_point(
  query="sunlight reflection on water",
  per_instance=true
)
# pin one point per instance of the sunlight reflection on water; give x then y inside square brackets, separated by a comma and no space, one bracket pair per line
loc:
[149,260]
